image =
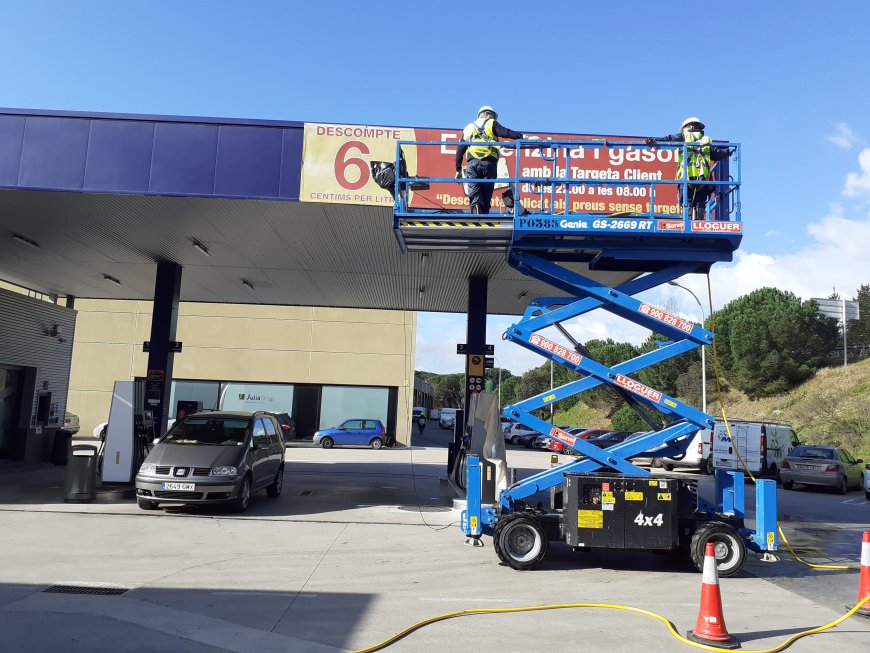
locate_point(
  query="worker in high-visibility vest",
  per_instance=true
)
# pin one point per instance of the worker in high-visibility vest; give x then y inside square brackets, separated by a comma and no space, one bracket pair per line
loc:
[697,166]
[483,158]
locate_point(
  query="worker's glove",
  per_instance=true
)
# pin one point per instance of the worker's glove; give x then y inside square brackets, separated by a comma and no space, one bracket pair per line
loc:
[459,174]
[649,141]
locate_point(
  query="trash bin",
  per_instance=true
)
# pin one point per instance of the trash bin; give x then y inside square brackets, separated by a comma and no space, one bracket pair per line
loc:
[60,447]
[81,474]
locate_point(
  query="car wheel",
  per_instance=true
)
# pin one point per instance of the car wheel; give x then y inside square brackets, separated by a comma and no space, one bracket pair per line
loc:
[729,546]
[844,486]
[787,485]
[146,504]
[240,503]
[708,466]
[274,490]
[515,440]
[327,443]
[520,541]
[376,443]
[773,472]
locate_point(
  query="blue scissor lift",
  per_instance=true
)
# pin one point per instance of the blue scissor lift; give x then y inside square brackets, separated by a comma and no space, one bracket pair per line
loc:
[602,500]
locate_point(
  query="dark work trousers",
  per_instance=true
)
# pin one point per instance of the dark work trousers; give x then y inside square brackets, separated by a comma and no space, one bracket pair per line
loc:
[480,195]
[698,196]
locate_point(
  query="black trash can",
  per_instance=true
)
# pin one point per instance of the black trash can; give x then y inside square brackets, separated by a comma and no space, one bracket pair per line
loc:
[81,474]
[60,447]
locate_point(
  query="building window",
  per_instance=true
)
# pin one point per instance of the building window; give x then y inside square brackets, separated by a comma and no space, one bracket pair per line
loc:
[191,396]
[338,403]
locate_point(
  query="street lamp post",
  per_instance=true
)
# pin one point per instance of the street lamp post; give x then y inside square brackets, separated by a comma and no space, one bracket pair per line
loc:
[498,362]
[703,347]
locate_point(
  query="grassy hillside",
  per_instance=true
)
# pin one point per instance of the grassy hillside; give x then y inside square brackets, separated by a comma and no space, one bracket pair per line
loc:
[831,408]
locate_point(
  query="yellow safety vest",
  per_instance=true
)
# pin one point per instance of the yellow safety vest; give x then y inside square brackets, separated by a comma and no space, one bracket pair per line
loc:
[481,132]
[698,163]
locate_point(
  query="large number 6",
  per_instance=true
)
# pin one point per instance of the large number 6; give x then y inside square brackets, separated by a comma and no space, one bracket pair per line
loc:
[342,163]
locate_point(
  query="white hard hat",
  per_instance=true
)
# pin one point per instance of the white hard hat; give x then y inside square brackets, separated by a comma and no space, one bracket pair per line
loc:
[487,109]
[694,120]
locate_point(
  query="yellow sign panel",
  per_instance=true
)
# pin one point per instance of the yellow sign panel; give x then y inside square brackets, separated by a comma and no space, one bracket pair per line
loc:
[475,364]
[670,403]
[607,497]
[336,162]
[549,398]
[654,483]
[474,523]
[664,496]
[770,537]
[634,496]
[590,519]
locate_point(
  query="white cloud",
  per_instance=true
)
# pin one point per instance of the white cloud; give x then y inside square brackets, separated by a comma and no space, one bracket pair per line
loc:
[843,137]
[858,183]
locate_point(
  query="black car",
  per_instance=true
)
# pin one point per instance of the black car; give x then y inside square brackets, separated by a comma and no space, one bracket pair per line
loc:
[288,426]
[609,439]
[214,457]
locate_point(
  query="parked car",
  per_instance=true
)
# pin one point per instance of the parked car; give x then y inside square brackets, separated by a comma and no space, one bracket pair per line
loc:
[434,413]
[100,430]
[417,412]
[609,439]
[288,426]
[581,433]
[70,423]
[214,457]
[818,465]
[867,481]
[353,432]
[517,431]
[698,454]
[447,418]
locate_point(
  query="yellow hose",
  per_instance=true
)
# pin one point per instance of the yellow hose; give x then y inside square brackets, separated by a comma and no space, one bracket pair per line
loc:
[607,606]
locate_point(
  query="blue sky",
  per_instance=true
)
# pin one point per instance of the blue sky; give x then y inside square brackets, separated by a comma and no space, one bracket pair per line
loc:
[787,80]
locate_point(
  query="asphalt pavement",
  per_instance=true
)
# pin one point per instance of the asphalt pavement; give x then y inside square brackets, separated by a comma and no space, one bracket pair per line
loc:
[360,545]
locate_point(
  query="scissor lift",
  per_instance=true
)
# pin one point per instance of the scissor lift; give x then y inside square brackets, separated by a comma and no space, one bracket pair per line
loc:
[594,497]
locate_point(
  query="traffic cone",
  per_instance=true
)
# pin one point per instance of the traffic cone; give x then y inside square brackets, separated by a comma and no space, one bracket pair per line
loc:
[710,628]
[864,582]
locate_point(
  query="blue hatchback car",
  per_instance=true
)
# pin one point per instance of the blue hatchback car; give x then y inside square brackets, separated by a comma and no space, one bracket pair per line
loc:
[359,432]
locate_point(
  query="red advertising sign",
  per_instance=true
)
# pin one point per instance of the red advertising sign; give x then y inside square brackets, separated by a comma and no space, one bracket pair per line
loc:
[336,168]
[671,225]
[667,318]
[717,227]
[638,388]
[558,350]
[562,436]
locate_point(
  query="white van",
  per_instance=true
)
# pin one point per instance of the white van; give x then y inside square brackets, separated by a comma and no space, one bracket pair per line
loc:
[697,454]
[762,445]
[434,413]
[447,418]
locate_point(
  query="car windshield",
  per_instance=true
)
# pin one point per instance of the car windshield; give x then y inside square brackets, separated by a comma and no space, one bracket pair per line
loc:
[224,431]
[804,451]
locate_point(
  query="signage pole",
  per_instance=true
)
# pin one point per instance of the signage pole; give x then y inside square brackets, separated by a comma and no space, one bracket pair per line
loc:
[845,350]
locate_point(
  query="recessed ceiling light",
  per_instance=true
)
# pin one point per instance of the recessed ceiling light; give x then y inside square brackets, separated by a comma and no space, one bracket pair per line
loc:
[109,277]
[247,284]
[202,249]
[27,241]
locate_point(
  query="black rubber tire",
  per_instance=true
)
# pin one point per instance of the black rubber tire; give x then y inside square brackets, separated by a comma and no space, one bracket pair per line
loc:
[147,504]
[730,547]
[867,494]
[520,541]
[667,467]
[240,503]
[376,443]
[773,472]
[788,485]
[844,486]
[327,443]
[274,490]
[708,466]
[515,440]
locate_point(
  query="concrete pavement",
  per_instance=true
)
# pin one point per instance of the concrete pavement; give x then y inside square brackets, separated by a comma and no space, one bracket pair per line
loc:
[361,545]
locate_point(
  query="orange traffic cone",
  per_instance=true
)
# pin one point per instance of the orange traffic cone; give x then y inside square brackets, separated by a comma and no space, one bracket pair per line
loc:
[864,582]
[710,628]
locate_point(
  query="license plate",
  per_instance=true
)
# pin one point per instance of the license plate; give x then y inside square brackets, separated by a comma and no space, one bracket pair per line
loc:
[806,466]
[179,486]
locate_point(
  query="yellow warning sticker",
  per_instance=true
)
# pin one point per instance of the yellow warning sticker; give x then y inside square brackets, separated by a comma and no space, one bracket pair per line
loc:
[590,519]
[474,523]
[634,496]
[770,537]
[664,496]
[654,483]
[672,404]
[607,497]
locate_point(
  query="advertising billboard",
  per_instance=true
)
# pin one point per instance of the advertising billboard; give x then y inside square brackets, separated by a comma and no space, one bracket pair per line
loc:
[336,169]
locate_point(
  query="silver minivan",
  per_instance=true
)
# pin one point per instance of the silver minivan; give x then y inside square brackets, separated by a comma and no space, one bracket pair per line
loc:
[214,457]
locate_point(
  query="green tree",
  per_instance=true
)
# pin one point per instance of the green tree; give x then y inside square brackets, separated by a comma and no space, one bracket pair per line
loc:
[769,341]
[859,330]
[626,419]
